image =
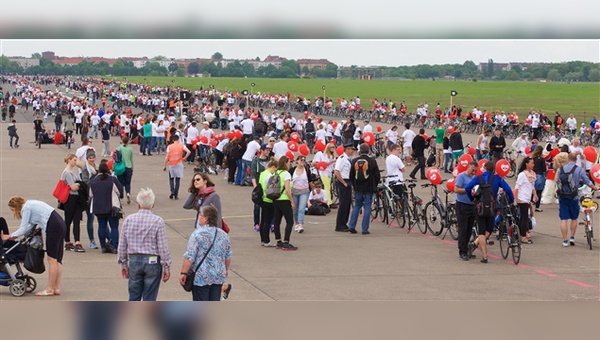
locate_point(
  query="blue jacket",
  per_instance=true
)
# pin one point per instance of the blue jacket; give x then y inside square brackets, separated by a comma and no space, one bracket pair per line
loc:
[101,193]
[496,184]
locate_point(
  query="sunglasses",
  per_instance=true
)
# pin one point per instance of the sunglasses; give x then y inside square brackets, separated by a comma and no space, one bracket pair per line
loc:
[197,179]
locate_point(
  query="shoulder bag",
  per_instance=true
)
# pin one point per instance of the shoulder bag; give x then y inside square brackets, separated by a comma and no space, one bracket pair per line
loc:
[61,191]
[191,274]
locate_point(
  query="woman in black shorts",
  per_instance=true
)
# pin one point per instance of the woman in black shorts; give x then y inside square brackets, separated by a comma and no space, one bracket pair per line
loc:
[31,213]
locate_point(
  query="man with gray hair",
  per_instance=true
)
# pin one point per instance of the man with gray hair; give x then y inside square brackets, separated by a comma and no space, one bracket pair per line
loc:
[143,250]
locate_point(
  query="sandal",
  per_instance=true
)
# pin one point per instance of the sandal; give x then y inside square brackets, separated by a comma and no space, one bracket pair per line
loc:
[539,210]
[45,292]
[527,241]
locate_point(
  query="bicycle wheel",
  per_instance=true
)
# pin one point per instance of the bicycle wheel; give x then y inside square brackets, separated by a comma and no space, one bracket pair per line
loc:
[375,207]
[401,212]
[433,219]
[589,234]
[421,218]
[515,246]
[503,240]
[452,222]
[513,169]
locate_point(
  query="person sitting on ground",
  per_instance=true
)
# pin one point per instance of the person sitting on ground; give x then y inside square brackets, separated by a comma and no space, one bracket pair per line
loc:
[317,201]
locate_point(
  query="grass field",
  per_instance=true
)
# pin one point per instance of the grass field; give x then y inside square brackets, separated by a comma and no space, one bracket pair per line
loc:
[491,95]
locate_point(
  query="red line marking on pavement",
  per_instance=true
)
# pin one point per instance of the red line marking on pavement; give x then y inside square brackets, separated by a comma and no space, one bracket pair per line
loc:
[429,236]
[579,283]
[520,265]
[545,273]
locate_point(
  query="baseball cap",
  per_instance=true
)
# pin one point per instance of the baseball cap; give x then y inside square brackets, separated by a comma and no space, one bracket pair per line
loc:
[524,134]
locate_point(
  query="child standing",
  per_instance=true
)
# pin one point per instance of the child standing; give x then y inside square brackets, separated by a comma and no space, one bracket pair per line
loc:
[12,133]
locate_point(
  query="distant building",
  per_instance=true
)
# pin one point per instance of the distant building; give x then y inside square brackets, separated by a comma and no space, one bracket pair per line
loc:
[25,62]
[312,63]
[48,55]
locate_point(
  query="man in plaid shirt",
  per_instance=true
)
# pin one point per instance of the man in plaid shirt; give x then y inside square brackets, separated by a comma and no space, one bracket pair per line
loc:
[143,250]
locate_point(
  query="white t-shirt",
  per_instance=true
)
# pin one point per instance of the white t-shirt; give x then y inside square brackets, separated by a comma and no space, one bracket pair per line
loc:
[322,157]
[208,134]
[251,150]
[280,149]
[321,134]
[247,125]
[525,188]
[367,128]
[321,195]
[192,133]
[408,136]
[572,123]
[393,167]
[392,136]
[576,149]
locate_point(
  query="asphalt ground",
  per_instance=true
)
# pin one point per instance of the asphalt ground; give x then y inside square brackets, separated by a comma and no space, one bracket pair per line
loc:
[387,265]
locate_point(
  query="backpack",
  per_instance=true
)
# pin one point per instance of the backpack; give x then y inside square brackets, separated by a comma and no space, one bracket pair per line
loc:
[485,202]
[117,156]
[361,169]
[274,189]
[565,188]
[118,164]
[257,194]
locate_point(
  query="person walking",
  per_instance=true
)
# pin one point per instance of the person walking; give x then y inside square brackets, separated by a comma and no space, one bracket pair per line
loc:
[456,144]
[524,191]
[176,154]
[103,189]
[439,144]
[31,213]
[302,180]
[143,251]
[284,206]
[12,134]
[342,175]
[211,243]
[364,175]
[105,140]
[418,146]
[127,156]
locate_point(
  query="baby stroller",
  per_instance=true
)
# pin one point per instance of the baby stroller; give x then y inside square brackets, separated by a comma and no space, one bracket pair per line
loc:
[12,253]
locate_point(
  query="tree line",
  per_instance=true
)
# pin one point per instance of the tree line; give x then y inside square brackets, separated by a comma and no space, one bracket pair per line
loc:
[566,71]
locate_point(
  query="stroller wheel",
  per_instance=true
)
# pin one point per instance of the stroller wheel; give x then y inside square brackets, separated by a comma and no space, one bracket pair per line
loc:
[17,287]
[31,284]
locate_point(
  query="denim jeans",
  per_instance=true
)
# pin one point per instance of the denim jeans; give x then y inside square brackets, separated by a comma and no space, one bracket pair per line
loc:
[241,172]
[153,141]
[144,278]
[90,224]
[125,179]
[103,234]
[256,214]
[245,166]
[207,293]
[94,133]
[160,144]
[300,203]
[174,185]
[361,200]
[448,162]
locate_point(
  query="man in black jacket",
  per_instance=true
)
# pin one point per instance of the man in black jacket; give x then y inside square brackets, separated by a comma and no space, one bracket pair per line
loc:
[497,145]
[419,145]
[364,174]
[456,144]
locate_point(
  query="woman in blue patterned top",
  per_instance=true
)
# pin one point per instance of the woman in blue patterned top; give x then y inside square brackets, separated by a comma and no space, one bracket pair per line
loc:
[211,275]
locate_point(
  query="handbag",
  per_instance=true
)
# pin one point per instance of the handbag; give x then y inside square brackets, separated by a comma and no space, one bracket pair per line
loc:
[61,191]
[191,274]
[116,210]
[224,226]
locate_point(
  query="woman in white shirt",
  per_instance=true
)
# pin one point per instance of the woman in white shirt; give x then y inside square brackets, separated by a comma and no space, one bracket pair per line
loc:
[523,192]
[327,156]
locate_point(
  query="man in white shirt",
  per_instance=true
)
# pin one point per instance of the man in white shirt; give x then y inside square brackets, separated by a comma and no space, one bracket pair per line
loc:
[576,149]
[95,120]
[407,137]
[280,148]
[572,124]
[394,166]
[519,146]
[247,158]
[247,126]
[367,127]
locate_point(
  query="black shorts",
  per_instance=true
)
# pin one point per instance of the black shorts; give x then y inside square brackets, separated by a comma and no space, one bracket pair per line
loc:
[485,224]
[55,236]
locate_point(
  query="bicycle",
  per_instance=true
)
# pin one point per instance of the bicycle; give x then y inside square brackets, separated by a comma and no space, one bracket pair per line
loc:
[411,206]
[385,202]
[588,207]
[434,210]
[512,162]
[508,233]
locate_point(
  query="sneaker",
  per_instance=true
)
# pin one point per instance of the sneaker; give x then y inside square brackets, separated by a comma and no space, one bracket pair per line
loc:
[279,245]
[268,245]
[484,260]
[79,248]
[128,199]
[256,227]
[572,240]
[299,229]
[69,246]
[565,243]
[226,291]
[93,245]
[288,246]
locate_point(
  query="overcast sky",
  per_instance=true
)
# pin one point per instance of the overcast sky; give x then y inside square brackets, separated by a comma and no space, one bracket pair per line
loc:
[340,52]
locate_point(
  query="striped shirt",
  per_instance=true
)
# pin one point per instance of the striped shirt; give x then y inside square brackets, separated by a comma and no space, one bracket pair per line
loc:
[144,233]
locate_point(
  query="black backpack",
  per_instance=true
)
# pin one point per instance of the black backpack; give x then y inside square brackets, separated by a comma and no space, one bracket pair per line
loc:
[565,187]
[361,169]
[257,194]
[485,202]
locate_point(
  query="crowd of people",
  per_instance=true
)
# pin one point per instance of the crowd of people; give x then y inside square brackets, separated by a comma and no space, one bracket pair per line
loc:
[257,150]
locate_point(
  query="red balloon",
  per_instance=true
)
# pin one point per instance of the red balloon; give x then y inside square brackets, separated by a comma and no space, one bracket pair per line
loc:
[433,175]
[369,138]
[528,121]
[333,141]
[194,146]
[450,184]
[230,135]
[502,167]
[238,134]
[319,145]
[110,164]
[463,162]
[293,146]
[591,154]
[253,116]
[471,151]
[304,151]
[527,149]
[213,143]
[588,130]
[290,155]
[204,140]
[595,173]
[339,150]
[295,137]
[481,166]
[551,174]
[322,166]
[379,129]
[597,126]
[334,124]
[451,129]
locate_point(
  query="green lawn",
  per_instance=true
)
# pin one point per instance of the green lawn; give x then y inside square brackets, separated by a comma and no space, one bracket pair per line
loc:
[491,95]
